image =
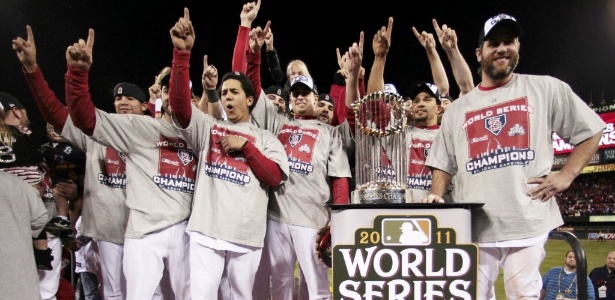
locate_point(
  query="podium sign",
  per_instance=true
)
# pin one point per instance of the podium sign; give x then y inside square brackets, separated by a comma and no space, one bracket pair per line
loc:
[403,251]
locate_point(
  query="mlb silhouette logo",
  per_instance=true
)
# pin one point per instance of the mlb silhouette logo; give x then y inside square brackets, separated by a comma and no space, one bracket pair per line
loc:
[406,231]
[295,138]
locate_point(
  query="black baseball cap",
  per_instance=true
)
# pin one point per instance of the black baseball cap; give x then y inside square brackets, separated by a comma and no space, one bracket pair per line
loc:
[326,97]
[129,90]
[8,101]
[276,90]
[420,86]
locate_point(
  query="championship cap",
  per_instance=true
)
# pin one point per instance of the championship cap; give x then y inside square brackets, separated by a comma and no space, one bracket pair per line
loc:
[129,90]
[499,21]
[8,101]
[390,88]
[304,81]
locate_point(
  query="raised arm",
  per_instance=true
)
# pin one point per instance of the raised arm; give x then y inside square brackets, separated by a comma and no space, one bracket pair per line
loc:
[354,58]
[257,39]
[210,101]
[79,59]
[249,11]
[437,69]
[461,70]
[381,45]
[273,61]
[50,107]
[180,97]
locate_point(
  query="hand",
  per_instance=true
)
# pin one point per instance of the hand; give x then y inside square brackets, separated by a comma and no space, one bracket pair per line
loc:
[182,34]
[432,198]
[155,91]
[549,186]
[79,55]
[249,12]
[257,37]
[446,36]
[355,56]
[26,51]
[382,40]
[66,190]
[232,143]
[426,39]
[209,80]
[269,40]
[361,73]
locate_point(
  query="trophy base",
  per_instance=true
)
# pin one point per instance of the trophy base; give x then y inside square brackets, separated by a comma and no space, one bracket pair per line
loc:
[380,195]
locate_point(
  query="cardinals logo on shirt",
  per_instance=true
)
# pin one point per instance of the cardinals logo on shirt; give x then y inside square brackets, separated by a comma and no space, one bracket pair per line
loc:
[232,167]
[495,124]
[185,156]
[488,149]
[299,144]
[294,139]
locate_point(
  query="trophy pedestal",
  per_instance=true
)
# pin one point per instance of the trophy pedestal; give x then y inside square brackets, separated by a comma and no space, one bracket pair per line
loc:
[403,250]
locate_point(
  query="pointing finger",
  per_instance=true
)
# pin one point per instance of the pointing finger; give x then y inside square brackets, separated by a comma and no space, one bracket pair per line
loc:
[30,34]
[90,42]
[186,14]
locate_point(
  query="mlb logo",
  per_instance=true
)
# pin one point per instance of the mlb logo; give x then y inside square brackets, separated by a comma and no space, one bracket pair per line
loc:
[406,231]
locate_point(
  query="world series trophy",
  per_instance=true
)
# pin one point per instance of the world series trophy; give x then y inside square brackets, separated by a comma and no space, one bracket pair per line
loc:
[381,150]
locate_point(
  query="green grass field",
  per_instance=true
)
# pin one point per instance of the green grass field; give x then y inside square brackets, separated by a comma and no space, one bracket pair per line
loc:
[556,250]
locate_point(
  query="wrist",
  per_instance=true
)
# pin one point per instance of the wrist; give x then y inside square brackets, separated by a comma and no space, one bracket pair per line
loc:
[212,96]
[30,68]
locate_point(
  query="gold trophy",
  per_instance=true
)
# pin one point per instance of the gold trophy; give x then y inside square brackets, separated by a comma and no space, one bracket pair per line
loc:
[381,149]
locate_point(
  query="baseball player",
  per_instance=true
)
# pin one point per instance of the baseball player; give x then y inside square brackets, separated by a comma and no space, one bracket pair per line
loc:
[315,154]
[497,141]
[104,211]
[161,168]
[240,163]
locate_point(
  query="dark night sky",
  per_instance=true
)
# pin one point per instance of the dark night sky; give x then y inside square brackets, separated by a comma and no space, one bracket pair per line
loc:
[571,40]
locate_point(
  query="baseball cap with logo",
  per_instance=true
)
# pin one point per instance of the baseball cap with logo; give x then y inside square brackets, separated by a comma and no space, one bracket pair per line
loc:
[8,101]
[419,86]
[129,90]
[390,88]
[499,21]
[276,90]
[302,81]
[325,97]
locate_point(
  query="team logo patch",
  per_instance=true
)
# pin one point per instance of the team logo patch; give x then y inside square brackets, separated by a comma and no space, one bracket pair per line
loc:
[186,156]
[122,155]
[295,138]
[495,124]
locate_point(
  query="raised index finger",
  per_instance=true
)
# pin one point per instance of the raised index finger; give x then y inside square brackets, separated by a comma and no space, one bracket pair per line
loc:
[30,34]
[205,64]
[416,32]
[436,26]
[186,14]
[90,42]
[390,27]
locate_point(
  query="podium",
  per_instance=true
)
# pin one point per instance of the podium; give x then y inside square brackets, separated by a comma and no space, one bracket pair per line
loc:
[403,251]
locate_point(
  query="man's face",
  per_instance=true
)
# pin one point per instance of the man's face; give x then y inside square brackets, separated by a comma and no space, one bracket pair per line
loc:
[570,261]
[24,120]
[236,103]
[127,105]
[499,55]
[165,100]
[324,111]
[610,261]
[277,101]
[303,101]
[425,109]
[445,103]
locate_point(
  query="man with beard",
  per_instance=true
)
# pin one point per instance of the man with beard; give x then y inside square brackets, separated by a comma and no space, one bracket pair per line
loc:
[561,282]
[496,141]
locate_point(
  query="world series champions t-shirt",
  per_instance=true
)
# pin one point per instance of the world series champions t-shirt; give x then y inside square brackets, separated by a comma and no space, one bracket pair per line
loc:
[315,152]
[495,141]
[160,168]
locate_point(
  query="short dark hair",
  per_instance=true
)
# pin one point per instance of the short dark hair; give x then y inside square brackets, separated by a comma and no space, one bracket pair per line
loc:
[246,84]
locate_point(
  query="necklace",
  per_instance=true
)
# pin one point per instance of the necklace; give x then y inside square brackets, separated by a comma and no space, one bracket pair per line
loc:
[559,281]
